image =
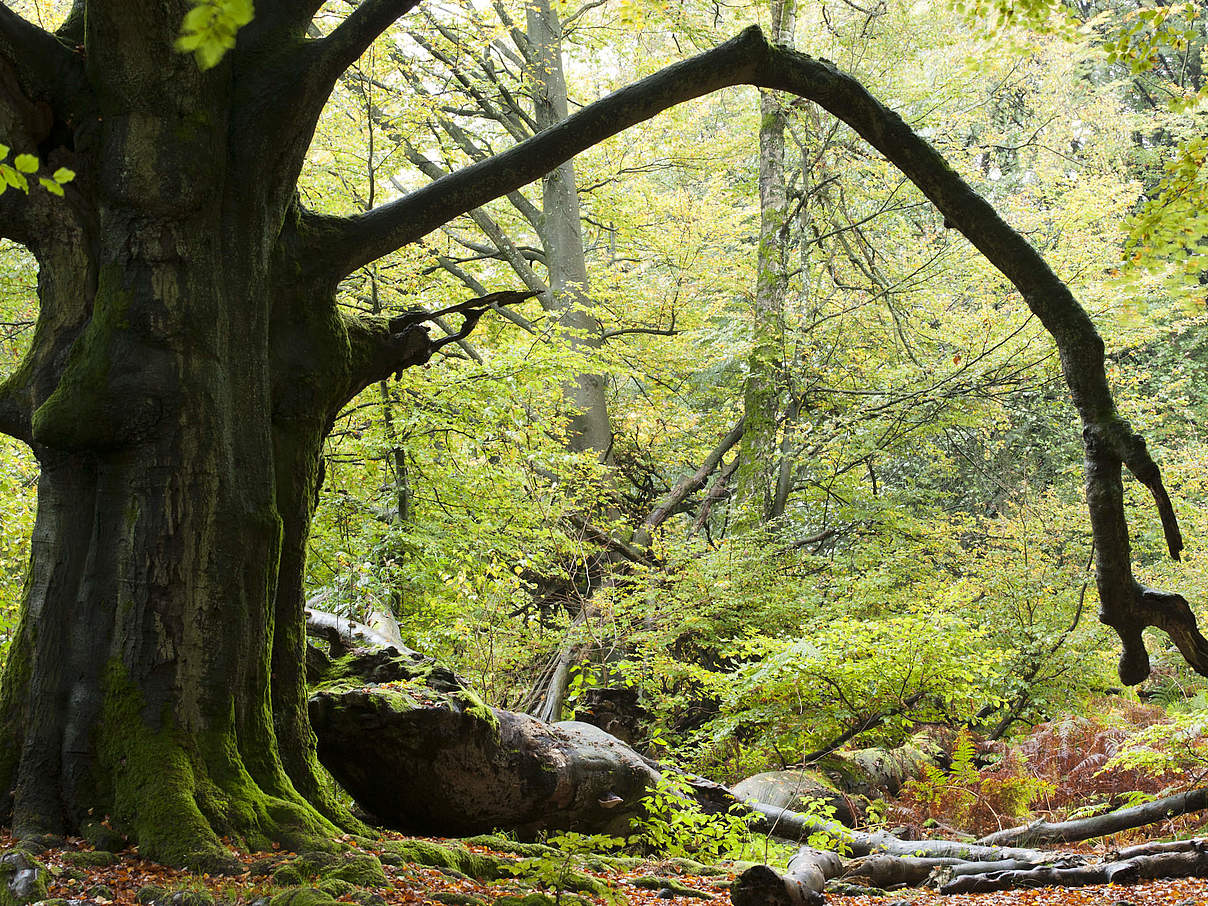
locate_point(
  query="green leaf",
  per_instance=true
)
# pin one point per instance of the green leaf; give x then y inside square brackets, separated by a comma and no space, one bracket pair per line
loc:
[199,19]
[63,176]
[4,149]
[14,179]
[51,186]
[26,163]
[209,54]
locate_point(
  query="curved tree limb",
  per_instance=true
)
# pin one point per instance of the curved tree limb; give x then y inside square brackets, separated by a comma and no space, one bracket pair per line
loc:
[685,486]
[36,55]
[330,56]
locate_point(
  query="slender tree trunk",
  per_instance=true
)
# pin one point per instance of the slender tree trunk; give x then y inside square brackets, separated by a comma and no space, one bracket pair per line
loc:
[562,237]
[764,389]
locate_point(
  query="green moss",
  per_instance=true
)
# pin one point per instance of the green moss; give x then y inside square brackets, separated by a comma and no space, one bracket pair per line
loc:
[452,898]
[302,896]
[153,779]
[85,410]
[359,869]
[287,876]
[540,899]
[23,879]
[150,894]
[452,856]
[92,859]
[476,707]
[336,887]
[175,794]
[102,837]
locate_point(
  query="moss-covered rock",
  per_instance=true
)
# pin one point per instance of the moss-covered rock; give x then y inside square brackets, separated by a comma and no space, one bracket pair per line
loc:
[150,894]
[453,898]
[37,844]
[446,855]
[100,892]
[336,887]
[287,876]
[23,879]
[192,897]
[529,899]
[302,896]
[90,858]
[73,874]
[542,899]
[313,863]
[367,898]
[263,867]
[692,867]
[358,869]
[102,837]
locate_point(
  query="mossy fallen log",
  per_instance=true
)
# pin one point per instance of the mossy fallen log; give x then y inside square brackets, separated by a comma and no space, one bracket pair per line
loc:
[420,751]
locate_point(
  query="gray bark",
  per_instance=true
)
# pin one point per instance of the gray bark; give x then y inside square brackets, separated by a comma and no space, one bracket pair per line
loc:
[1101,825]
[800,885]
[758,480]
[423,754]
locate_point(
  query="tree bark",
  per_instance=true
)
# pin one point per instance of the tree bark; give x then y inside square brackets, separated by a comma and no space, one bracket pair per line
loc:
[763,390]
[1101,825]
[800,885]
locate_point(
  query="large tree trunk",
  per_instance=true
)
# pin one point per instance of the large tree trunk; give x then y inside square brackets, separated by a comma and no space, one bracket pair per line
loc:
[139,688]
[180,382]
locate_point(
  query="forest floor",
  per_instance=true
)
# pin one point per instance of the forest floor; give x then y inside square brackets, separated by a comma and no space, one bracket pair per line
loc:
[119,883]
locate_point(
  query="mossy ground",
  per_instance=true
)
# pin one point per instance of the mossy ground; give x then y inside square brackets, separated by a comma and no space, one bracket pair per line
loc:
[390,871]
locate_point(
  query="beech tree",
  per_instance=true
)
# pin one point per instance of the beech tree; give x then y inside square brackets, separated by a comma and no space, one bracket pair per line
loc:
[189,358]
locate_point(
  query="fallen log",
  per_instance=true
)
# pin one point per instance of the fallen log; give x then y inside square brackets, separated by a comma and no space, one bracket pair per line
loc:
[801,884]
[884,870]
[422,753]
[344,634]
[1185,864]
[789,824]
[1101,825]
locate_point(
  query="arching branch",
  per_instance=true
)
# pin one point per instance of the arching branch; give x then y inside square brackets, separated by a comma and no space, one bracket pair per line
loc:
[1109,442]
[34,54]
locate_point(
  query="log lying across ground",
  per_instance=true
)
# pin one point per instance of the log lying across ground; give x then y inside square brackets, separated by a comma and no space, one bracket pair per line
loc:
[421,752]
[1100,825]
[801,884]
[953,867]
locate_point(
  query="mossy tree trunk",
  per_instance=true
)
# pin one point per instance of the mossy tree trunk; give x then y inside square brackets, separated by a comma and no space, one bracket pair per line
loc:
[189,358]
[183,375]
[767,372]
